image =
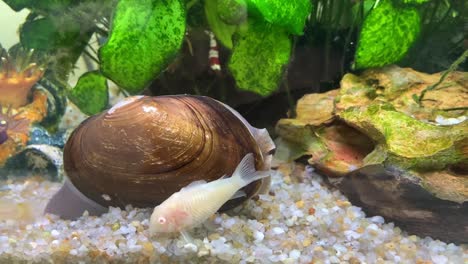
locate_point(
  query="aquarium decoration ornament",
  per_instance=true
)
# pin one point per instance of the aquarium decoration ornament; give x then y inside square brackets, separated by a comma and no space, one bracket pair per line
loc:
[18,74]
[386,152]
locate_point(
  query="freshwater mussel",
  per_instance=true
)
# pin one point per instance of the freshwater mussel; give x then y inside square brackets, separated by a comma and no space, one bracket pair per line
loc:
[145,148]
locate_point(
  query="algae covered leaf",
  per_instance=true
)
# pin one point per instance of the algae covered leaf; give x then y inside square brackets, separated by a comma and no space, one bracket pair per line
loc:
[90,93]
[61,38]
[233,12]
[259,57]
[222,31]
[144,37]
[42,5]
[291,14]
[387,34]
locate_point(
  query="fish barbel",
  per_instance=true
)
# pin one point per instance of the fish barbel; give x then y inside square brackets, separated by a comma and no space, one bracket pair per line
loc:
[195,203]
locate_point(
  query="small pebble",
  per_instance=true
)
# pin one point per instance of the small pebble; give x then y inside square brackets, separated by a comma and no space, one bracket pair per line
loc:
[278,230]
[258,236]
[294,254]
[300,204]
[55,233]
[191,247]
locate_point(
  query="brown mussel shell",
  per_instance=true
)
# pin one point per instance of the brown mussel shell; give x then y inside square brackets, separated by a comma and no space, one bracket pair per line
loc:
[145,148]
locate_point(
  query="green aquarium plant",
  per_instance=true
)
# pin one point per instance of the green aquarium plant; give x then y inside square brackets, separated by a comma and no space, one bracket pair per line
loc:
[133,43]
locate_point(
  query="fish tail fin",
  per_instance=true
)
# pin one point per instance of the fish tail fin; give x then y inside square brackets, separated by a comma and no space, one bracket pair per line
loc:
[245,172]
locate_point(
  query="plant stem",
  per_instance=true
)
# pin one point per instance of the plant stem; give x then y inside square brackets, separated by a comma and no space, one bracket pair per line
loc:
[290,98]
[348,40]
[452,67]
[125,93]
[442,20]
[196,90]
[431,19]
[329,23]
[361,9]
[314,17]
[101,31]
[190,4]
[91,56]
[90,46]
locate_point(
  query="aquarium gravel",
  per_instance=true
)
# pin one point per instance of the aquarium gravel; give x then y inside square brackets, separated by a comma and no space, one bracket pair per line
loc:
[301,220]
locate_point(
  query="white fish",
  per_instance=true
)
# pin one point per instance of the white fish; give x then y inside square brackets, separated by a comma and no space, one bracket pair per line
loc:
[193,204]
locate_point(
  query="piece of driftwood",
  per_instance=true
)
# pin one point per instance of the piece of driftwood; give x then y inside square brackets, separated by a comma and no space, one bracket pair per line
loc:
[398,195]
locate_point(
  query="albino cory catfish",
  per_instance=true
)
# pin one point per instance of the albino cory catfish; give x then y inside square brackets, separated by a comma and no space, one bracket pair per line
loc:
[193,204]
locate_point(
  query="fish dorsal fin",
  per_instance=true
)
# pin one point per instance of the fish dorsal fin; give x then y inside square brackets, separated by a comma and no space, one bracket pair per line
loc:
[246,173]
[193,184]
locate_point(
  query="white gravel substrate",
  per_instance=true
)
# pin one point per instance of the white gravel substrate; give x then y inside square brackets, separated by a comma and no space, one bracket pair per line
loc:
[298,222]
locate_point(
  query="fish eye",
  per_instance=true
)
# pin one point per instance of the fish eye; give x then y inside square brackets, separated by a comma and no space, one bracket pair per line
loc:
[162,220]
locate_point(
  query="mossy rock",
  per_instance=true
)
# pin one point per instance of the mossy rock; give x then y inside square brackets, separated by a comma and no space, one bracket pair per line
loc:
[408,142]
[379,105]
[377,144]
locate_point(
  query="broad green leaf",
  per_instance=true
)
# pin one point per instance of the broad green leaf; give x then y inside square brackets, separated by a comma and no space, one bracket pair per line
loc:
[144,37]
[290,14]
[63,42]
[47,34]
[356,10]
[90,93]
[40,34]
[259,57]
[17,5]
[222,31]
[46,5]
[386,35]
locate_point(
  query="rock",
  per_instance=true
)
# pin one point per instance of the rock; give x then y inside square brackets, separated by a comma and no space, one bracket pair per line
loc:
[408,142]
[387,152]
[428,204]
[45,160]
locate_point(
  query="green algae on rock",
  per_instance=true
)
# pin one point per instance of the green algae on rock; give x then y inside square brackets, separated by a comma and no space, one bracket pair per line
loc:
[408,142]
[379,105]
[385,151]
